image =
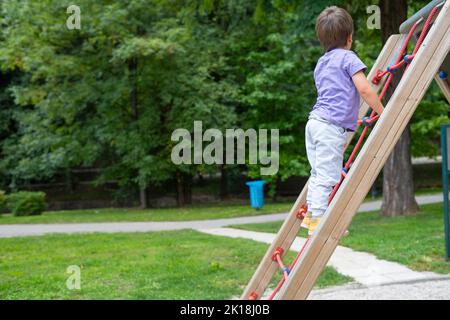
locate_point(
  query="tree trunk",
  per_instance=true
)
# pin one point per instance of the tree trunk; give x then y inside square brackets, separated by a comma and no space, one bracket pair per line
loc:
[274,192]
[68,181]
[184,189]
[180,193]
[133,68]
[143,197]
[398,187]
[187,189]
[133,77]
[224,194]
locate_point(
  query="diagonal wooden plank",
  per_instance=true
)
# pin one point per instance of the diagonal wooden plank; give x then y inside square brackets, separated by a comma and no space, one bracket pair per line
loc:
[444,87]
[420,88]
[291,226]
[375,152]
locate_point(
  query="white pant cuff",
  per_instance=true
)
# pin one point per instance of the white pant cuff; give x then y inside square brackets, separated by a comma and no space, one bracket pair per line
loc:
[317,213]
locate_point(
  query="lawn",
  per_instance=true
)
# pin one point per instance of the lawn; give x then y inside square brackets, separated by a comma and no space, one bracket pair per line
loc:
[133,215]
[203,212]
[416,241]
[419,192]
[160,265]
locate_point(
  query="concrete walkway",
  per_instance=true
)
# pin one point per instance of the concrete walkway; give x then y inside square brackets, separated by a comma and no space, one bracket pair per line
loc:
[365,268]
[429,289]
[23,230]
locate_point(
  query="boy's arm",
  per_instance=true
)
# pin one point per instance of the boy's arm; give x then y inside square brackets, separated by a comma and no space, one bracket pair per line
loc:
[367,93]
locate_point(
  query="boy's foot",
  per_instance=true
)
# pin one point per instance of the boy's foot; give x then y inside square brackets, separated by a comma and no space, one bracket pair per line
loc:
[313,225]
[306,221]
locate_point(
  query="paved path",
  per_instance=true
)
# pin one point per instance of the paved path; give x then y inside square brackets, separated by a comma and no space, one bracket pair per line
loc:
[365,268]
[16,230]
[437,289]
[23,230]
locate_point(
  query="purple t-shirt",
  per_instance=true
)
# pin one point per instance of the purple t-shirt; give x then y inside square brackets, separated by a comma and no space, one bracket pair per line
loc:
[338,99]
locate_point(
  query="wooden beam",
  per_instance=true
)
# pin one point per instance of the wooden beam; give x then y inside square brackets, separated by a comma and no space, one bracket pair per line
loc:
[371,159]
[443,84]
[289,230]
[444,87]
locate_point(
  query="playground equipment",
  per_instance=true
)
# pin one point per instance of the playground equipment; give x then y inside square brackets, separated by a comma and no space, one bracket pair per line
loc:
[430,30]
[445,151]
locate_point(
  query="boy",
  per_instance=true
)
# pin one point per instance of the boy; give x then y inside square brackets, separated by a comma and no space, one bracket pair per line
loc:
[340,82]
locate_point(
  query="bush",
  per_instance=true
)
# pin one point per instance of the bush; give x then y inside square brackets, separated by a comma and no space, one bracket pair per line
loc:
[26,203]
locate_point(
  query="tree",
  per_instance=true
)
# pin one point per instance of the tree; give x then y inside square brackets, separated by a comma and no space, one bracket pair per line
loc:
[398,184]
[277,92]
[8,127]
[110,94]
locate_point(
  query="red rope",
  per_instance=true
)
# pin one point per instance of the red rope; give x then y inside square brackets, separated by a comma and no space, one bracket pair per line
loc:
[372,117]
[425,29]
[277,257]
[402,52]
[280,284]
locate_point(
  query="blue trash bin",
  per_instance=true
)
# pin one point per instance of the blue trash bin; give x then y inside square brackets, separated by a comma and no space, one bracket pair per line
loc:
[256,193]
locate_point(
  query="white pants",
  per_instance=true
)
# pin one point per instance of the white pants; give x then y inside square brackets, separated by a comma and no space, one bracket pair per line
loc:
[325,143]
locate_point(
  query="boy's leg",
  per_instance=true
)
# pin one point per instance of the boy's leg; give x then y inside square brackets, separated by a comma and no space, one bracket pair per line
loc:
[311,154]
[329,150]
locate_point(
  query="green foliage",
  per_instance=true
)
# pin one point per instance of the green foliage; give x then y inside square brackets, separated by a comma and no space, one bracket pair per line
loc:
[110,95]
[425,125]
[26,203]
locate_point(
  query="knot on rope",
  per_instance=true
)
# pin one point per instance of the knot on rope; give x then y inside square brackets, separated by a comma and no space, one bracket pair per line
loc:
[367,121]
[278,252]
[408,59]
[344,172]
[287,270]
[391,70]
[376,80]
[253,296]
[301,213]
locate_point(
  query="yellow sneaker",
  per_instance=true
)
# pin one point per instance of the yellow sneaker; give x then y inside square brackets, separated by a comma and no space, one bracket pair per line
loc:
[306,221]
[313,225]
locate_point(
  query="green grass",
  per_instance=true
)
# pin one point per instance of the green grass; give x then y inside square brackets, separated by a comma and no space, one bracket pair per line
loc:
[133,215]
[160,265]
[420,192]
[203,212]
[415,241]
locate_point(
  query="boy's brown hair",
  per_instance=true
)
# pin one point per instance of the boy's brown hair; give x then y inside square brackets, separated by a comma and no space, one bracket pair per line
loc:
[333,27]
